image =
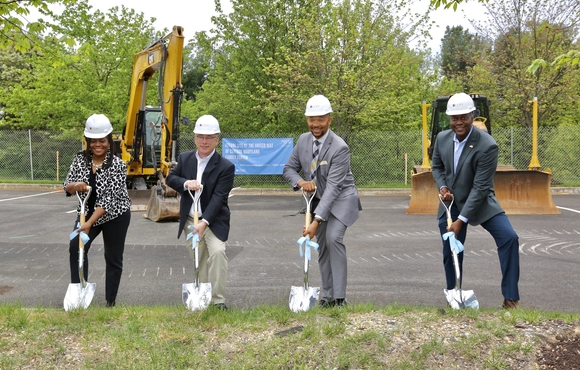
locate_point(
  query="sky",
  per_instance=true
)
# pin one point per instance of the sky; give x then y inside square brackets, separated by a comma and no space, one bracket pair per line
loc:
[195,15]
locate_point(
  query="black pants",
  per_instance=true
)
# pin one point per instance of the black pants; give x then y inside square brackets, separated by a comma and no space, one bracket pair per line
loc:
[114,233]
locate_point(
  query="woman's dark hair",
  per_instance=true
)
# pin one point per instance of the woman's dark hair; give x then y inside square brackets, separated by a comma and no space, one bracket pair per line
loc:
[110,154]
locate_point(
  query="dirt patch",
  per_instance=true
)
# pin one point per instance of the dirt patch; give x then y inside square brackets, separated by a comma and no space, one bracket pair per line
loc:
[561,352]
[5,289]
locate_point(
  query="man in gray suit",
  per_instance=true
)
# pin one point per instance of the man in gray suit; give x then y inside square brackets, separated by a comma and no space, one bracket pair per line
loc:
[324,159]
[464,165]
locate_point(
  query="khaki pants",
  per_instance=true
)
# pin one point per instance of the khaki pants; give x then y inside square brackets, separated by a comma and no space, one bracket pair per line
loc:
[213,262]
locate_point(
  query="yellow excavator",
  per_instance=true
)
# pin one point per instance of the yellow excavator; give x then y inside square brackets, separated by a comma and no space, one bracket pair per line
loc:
[518,191]
[149,143]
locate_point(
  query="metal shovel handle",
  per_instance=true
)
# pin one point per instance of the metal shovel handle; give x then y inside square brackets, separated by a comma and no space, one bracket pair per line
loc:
[308,197]
[195,198]
[453,253]
[82,219]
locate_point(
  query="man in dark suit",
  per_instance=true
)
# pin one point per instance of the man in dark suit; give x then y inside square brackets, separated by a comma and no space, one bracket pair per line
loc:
[206,167]
[336,205]
[464,164]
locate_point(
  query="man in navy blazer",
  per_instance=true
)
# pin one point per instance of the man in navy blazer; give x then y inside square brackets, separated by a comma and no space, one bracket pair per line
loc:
[206,167]
[336,205]
[464,164]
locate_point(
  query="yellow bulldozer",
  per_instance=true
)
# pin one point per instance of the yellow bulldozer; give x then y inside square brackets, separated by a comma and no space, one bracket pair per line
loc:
[518,191]
[149,142]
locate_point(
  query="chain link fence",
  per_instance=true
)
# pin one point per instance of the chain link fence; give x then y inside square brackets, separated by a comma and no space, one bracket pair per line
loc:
[378,159]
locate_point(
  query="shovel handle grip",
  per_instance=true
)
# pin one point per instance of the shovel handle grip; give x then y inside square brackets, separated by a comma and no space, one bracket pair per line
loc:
[308,219]
[447,209]
[82,221]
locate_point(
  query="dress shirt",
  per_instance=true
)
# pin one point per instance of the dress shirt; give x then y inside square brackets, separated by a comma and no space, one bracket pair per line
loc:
[201,165]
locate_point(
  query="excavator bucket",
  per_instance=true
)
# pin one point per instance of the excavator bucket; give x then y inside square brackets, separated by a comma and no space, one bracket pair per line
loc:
[519,192]
[163,205]
[139,199]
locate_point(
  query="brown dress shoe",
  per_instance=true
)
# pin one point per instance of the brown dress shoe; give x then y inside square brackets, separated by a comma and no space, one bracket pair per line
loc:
[508,304]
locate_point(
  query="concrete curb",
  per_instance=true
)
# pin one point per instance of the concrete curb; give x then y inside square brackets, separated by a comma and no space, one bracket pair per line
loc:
[30,186]
[281,191]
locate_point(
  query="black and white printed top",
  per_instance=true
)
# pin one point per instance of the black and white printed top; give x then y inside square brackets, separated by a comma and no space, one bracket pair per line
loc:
[111,189]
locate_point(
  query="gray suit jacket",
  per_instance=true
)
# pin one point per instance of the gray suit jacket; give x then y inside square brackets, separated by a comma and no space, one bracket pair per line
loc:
[472,184]
[334,182]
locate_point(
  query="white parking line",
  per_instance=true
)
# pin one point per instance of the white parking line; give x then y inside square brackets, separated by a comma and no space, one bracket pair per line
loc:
[30,196]
[569,209]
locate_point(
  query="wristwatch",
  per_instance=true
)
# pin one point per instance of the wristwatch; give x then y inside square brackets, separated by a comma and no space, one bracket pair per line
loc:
[319,220]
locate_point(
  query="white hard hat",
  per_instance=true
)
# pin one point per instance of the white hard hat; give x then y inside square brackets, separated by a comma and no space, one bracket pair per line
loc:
[98,126]
[318,105]
[460,104]
[207,125]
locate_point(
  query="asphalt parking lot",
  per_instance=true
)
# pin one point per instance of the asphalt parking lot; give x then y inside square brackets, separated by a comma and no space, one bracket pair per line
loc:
[393,257]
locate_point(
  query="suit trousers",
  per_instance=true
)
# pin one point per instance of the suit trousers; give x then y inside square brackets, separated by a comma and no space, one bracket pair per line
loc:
[213,262]
[114,234]
[332,258]
[507,243]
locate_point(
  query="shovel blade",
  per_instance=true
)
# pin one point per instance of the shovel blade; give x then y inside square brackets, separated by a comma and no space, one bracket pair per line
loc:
[196,297]
[78,297]
[459,299]
[302,299]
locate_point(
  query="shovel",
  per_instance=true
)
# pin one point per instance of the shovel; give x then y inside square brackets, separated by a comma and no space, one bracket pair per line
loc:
[80,294]
[456,297]
[303,298]
[196,296]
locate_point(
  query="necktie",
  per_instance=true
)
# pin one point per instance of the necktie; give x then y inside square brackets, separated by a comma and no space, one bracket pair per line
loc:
[314,163]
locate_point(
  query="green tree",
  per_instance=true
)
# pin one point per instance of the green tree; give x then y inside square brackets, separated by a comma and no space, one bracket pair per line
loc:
[524,30]
[15,31]
[460,50]
[11,64]
[195,69]
[570,58]
[68,83]
[269,57]
[451,3]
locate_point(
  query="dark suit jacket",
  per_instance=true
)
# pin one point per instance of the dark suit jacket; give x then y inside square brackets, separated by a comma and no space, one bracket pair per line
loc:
[217,181]
[335,183]
[472,184]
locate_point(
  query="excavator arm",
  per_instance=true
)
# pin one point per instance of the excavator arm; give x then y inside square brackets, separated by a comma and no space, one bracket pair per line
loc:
[149,144]
[165,57]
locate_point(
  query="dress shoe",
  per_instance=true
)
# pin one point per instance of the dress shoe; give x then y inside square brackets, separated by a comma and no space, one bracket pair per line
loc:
[111,304]
[221,306]
[508,304]
[339,302]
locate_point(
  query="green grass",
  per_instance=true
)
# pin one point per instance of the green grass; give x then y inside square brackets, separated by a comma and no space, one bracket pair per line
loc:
[41,182]
[266,337]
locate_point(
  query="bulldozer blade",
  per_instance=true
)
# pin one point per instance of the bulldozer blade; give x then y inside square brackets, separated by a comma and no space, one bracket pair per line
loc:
[519,192]
[424,194]
[160,207]
[525,192]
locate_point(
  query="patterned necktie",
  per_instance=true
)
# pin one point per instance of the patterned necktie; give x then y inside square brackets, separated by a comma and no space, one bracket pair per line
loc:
[314,163]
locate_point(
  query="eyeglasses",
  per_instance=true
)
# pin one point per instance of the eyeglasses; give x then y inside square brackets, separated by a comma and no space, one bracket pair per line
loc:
[205,137]
[464,118]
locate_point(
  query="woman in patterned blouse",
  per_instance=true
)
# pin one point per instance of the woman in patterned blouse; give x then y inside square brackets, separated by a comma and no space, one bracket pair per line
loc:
[108,206]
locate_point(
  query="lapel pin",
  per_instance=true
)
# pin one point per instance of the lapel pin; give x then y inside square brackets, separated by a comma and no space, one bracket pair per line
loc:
[471,146]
